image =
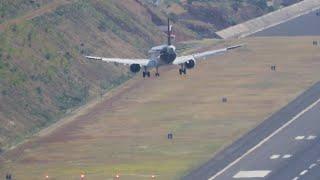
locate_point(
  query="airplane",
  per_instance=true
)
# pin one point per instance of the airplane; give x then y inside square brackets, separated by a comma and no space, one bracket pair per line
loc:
[164,55]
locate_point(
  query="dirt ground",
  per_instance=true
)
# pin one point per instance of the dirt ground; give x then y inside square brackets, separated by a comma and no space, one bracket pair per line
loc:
[126,131]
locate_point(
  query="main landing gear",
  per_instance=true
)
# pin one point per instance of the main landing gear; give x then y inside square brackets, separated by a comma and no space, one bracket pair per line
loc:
[182,70]
[146,74]
[157,72]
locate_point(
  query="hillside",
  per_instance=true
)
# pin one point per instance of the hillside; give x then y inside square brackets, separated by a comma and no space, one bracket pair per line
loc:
[205,17]
[43,75]
[42,72]
[126,131]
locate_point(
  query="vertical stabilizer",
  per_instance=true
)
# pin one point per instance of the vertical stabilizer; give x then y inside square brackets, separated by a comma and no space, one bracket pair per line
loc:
[169,33]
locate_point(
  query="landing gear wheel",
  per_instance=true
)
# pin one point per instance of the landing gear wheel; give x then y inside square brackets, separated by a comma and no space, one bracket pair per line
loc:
[182,71]
[145,74]
[157,74]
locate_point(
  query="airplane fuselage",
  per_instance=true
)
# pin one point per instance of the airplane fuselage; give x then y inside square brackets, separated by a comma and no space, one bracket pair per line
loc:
[163,55]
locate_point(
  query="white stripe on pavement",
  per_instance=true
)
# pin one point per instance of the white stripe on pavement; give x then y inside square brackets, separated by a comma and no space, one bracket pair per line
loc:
[312,165]
[287,156]
[311,137]
[266,139]
[299,138]
[251,174]
[303,172]
[275,156]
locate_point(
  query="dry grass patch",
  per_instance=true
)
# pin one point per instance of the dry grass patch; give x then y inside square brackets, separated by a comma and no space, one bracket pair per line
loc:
[128,134]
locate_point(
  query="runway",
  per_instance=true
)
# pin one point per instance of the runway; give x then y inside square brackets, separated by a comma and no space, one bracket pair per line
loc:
[306,25]
[285,146]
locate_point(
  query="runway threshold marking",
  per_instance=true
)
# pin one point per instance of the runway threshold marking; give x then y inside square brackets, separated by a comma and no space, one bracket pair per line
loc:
[251,174]
[266,139]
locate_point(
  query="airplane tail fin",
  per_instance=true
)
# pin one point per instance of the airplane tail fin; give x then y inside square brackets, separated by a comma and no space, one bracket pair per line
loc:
[169,32]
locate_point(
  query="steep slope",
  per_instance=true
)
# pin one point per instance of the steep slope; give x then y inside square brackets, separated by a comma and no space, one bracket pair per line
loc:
[205,17]
[126,133]
[42,72]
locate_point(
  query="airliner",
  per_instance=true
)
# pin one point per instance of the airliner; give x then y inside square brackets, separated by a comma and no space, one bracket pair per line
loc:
[164,55]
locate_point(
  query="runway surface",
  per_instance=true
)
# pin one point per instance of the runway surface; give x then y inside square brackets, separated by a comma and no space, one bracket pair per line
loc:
[306,25]
[285,146]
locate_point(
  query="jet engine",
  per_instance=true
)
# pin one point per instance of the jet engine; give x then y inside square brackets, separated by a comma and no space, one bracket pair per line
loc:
[135,68]
[190,64]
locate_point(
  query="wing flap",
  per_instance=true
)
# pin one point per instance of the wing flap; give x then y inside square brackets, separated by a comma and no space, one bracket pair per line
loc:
[142,62]
[203,55]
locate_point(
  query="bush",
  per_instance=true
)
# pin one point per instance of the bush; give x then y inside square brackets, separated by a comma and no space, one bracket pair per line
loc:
[47,56]
[103,26]
[39,90]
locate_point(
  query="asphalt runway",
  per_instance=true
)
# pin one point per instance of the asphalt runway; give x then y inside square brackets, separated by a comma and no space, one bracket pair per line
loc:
[306,25]
[285,146]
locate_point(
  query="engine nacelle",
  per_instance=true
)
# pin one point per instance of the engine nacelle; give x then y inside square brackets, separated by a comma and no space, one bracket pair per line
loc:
[135,68]
[190,64]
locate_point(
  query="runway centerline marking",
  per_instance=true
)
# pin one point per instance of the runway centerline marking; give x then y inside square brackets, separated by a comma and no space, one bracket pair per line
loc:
[275,156]
[312,166]
[251,174]
[311,137]
[266,139]
[299,138]
[296,178]
[286,156]
[303,172]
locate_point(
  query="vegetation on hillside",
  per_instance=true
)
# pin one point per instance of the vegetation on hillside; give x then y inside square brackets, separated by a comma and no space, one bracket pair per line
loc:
[43,74]
[205,17]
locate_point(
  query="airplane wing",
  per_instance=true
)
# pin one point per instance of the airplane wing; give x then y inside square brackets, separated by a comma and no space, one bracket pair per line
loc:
[203,55]
[141,62]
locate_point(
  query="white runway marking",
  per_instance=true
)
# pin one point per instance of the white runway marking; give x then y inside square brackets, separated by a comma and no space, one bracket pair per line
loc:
[296,178]
[299,138]
[251,174]
[275,156]
[287,156]
[303,172]
[311,137]
[312,166]
[266,139]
